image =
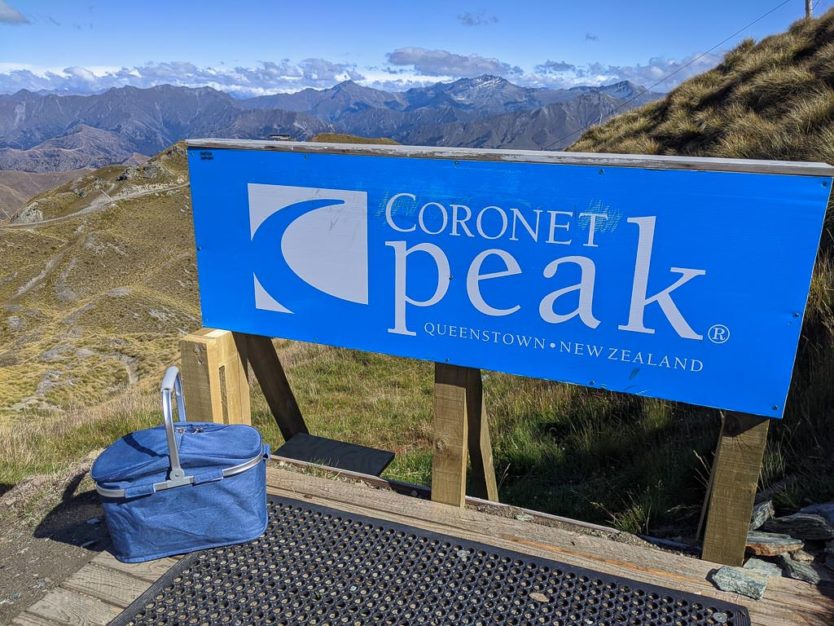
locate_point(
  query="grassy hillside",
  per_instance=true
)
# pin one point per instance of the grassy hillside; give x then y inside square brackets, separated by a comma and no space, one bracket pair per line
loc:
[17,187]
[768,100]
[98,278]
[343,138]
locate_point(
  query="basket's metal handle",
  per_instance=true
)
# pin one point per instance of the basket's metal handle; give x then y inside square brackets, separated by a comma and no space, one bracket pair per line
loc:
[172,384]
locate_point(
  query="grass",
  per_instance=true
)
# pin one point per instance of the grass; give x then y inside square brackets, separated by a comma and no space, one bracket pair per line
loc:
[558,448]
[343,138]
[94,301]
[768,100]
[35,445]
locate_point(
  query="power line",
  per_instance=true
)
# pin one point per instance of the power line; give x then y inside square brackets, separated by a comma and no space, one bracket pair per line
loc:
[683,67]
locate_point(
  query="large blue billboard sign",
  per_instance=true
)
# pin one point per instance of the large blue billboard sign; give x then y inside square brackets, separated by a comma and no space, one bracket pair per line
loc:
[683,280]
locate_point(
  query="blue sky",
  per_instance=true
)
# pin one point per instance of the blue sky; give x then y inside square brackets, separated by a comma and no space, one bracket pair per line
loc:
[251,47]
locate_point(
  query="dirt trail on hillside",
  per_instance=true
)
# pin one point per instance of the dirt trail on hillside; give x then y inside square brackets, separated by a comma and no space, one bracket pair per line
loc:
[97,205]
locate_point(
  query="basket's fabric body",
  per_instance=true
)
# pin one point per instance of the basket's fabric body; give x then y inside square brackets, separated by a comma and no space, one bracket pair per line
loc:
[215,510]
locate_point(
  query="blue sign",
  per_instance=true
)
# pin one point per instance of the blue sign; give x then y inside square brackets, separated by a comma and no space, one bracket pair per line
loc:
[675,284]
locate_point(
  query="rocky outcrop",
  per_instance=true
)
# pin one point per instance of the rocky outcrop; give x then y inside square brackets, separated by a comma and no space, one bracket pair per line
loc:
[772,544]
[746,582]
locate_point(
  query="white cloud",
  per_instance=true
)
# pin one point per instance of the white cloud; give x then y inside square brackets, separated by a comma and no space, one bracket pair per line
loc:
[410,67]
[659,74]
[10,15]
[266,77]
[444,63]
[555,67]
[654,73]
[476,18]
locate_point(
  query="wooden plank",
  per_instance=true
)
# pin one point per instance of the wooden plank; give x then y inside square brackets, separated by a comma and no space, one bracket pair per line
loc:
[483,483]
[448,474]
[421,491]
[786,603]
[149,571]
[274,384]
[529,156]
[63,606]
[735,476]
[215,378]
[30,619]
[336,454]
[110,585]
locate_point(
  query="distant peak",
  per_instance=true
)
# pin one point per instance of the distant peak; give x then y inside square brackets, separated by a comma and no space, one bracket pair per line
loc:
[348,85]
[486,78]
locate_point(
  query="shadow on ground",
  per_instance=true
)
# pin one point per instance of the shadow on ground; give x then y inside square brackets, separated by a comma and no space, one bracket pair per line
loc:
[76,520]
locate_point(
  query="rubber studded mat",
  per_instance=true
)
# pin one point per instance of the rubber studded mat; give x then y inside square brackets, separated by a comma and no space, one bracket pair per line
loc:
[316,565]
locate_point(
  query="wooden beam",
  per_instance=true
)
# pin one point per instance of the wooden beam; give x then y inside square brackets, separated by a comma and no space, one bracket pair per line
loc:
[448,475]
[215,378]
[735,477]
[480,445]
[274,384]
[592,159]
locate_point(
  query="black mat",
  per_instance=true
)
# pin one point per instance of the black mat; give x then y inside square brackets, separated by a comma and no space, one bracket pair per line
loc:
[322,566]
[338,454]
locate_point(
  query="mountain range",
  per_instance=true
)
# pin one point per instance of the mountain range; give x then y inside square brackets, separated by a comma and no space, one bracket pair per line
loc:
[41,132]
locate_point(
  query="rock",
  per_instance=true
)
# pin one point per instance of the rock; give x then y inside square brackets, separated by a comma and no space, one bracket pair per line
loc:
[746,582]
[825,510]
[150,170]
[771,544]
[29,215]
[524,517]
[829,555]
[809,526]
[802,556]
[761,513]
[764,567]
[799,571]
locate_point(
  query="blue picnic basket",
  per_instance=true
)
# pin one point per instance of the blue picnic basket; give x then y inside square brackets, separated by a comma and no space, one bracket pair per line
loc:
[178,488]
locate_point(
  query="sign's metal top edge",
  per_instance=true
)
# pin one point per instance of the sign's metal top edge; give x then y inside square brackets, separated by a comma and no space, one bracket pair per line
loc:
[708,164]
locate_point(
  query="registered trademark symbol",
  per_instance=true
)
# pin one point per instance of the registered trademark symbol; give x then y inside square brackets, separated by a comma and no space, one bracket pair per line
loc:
[718,333]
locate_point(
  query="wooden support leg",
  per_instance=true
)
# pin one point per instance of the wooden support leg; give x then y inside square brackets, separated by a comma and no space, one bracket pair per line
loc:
[735,476]
[460,426]
[274,384]
[215,379]
[448,472]
[480,445]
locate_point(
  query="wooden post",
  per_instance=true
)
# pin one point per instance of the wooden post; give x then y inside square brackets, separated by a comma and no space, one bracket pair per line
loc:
[215,379]
[460,426]
[448,470]
[274,384]
[735,477]
[480,445]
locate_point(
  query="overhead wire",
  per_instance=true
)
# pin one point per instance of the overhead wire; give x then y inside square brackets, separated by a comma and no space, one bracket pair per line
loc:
[680,68]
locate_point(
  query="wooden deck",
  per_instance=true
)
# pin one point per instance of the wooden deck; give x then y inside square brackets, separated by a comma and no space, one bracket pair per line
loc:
[103,588]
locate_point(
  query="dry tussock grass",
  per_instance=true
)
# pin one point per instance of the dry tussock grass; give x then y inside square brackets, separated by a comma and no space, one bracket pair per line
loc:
[768,100]
[37,444]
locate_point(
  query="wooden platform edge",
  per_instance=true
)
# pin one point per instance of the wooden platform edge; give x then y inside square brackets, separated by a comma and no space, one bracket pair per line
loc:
[786,602]
[95,594]
[103,588]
